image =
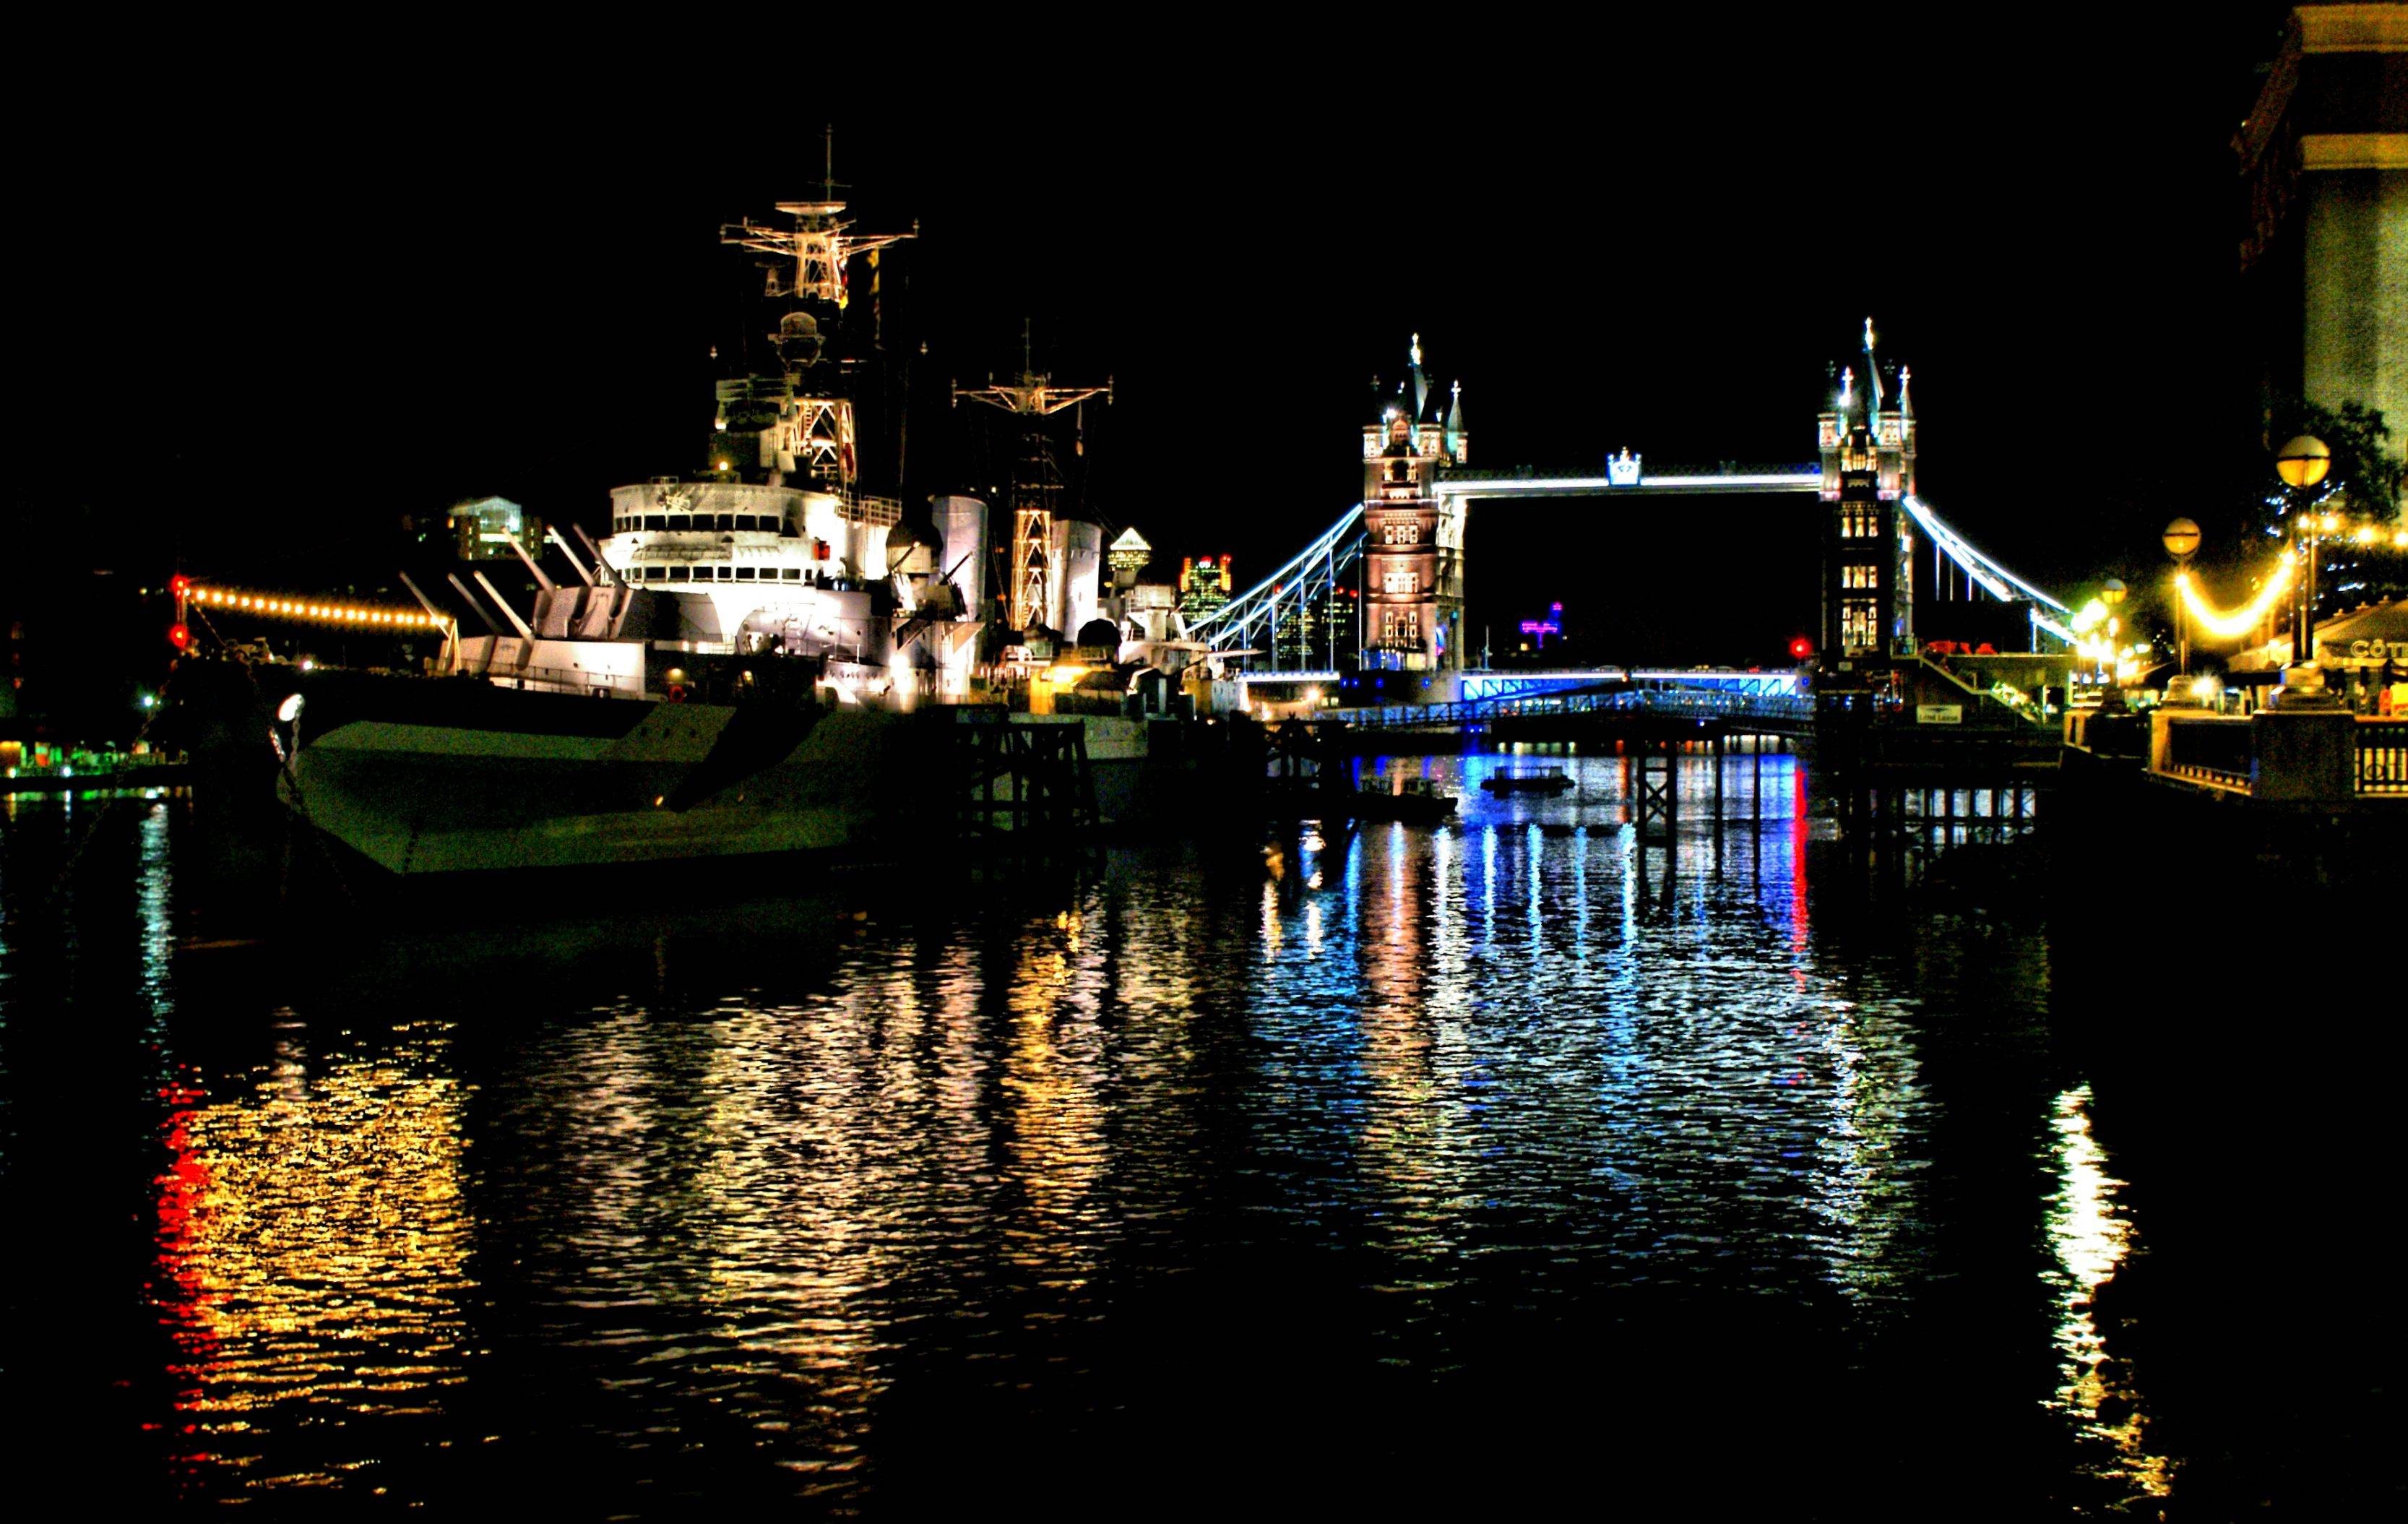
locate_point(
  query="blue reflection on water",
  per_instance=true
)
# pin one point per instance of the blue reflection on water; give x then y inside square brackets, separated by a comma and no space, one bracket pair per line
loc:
[773,1190]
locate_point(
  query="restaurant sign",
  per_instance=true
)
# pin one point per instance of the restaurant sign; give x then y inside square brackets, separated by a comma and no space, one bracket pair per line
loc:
[2371,653]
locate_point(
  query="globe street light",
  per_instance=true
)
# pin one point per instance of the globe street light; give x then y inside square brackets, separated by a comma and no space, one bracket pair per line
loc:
[2301,464]
[2304,461]
[2180,540]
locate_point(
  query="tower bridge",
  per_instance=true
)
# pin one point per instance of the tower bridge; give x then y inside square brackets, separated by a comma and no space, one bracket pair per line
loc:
[1403,545]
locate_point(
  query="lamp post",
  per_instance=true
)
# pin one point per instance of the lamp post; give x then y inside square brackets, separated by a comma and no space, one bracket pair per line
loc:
[2301,464]
[2180,540]
[2111,699]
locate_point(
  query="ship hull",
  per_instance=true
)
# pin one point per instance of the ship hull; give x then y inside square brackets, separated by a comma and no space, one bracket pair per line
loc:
[510,782]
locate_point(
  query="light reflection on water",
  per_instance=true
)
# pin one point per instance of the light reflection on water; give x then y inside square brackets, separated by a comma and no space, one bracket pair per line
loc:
[741,1192]
[312,1245]
[2091,1236]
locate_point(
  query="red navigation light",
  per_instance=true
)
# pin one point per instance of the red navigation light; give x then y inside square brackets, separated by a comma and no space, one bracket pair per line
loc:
[178,637]
[1802,648]
[181,584]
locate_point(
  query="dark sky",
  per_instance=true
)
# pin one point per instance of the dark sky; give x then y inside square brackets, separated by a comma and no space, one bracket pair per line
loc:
[280,300]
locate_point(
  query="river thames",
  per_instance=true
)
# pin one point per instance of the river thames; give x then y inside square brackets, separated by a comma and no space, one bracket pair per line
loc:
[1479,1167]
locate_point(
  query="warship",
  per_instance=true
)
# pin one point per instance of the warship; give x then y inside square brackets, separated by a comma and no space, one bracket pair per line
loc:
[757,661]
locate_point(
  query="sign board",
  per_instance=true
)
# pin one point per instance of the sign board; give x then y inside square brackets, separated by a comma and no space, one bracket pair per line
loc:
[1940,714]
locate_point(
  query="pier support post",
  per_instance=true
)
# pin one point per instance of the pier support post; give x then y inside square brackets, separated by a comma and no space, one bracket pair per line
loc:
[1660,788]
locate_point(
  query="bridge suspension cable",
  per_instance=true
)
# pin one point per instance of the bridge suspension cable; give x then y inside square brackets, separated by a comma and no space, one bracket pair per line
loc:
[1313,571]
[1997,579]
[1236,622]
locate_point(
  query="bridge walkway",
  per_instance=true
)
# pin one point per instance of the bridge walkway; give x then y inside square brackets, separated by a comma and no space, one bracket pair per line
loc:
[1770,714]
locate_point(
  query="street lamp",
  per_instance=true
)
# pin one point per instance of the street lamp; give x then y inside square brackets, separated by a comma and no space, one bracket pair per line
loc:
[2110,699]
[2304,461]
[2301,464]
[2180,540]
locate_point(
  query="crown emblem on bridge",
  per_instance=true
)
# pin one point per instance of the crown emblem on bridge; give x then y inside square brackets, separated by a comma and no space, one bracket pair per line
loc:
[1623,469]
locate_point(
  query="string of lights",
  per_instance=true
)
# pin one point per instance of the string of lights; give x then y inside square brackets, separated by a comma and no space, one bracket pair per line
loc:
[2225,624]
[311,609]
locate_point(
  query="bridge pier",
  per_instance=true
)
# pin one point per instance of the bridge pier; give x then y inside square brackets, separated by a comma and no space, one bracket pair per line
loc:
[1659,789]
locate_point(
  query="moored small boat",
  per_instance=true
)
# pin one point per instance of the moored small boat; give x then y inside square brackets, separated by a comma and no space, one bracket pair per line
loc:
[1553,780]
[1418,802]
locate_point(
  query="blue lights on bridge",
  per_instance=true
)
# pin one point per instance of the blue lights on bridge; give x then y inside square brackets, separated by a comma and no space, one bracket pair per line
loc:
[1477,685]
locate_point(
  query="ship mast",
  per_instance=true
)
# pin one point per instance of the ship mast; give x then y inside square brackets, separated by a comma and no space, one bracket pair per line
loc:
[819,244]
[802,420]
[1031,399]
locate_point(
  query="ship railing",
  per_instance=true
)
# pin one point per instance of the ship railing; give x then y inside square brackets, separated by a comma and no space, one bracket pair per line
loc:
[876,512]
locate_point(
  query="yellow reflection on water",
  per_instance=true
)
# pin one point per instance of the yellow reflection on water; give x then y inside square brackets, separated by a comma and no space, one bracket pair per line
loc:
[312,1246]
[2091,1237]
[1056,1141]
[1410,1148]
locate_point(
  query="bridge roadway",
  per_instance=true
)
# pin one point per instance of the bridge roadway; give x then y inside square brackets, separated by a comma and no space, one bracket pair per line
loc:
[1769,713]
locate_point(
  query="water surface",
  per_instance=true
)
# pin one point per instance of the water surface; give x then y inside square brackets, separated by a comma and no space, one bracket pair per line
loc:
[1450,1169]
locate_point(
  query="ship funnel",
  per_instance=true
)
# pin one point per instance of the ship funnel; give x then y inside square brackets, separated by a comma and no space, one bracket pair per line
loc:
[961,523]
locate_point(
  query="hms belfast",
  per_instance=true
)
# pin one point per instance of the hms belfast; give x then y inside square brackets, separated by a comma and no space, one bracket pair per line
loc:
[759,660]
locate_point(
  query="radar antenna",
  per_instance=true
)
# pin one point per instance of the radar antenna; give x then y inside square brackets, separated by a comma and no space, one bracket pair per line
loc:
[820,244]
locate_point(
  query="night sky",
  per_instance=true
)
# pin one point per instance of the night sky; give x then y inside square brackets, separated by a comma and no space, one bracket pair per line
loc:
[274,309]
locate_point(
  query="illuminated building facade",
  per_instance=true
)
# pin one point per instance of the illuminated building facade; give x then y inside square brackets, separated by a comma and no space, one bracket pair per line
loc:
[483,530]
[1128,557]
[1203,586]
[1868,587]
[1413,580]
[2324,249]
[1304,638]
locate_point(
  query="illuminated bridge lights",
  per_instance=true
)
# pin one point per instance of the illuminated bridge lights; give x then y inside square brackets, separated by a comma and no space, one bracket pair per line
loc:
[1608,486]
[1483,685]
[313,611]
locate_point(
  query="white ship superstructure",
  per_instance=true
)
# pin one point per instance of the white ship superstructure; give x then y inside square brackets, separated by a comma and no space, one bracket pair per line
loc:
[769,568]
[754,660]
[774,549]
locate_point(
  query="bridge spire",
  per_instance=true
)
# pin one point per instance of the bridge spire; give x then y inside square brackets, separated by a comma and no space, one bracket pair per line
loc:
[1872,376]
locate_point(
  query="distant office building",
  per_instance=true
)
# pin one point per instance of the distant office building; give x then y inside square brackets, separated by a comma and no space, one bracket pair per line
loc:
[1128,556]
[2324,249]
[1304,636]
[483,530]
[1203,586]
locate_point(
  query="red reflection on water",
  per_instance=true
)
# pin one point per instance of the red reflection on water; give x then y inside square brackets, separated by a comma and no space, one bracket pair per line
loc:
[178,1291]
[1797,869]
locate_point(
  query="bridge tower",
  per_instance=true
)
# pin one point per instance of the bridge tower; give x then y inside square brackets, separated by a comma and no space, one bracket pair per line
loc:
[1867,582]
[1413,592]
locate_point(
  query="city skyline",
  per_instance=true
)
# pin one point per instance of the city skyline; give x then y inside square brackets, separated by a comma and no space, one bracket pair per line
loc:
[503,307]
